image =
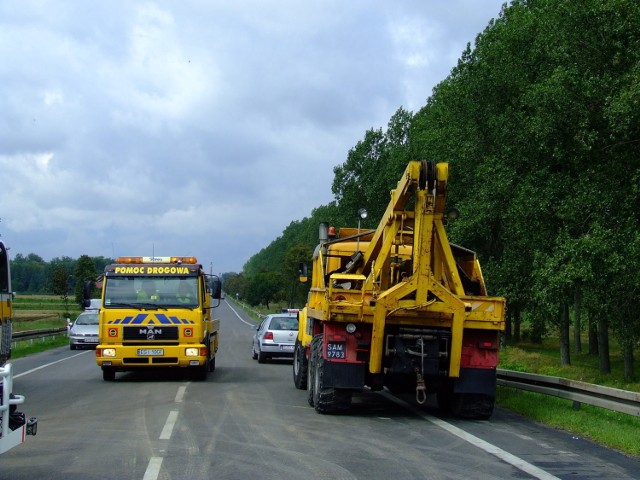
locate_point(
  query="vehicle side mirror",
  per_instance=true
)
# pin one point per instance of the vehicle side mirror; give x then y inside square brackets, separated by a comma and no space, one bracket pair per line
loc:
[216,289]
[87,287]
[303,272]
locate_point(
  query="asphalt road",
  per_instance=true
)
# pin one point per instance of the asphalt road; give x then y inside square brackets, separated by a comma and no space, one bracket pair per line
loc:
[248,421]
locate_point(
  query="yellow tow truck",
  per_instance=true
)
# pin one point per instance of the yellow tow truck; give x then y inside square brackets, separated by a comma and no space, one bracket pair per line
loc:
[157,312]
[400,307]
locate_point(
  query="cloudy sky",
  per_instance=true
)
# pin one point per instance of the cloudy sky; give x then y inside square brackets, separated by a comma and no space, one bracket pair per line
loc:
[200,127]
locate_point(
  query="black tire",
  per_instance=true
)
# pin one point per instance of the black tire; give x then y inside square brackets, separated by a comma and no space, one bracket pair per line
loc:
[311,368]
[326,399]
[300,366]
[108,374]
[472,405]
[199,373]
[464,405]
[262,357]
[212,364]
[444,396]
[72,347]
[254,354]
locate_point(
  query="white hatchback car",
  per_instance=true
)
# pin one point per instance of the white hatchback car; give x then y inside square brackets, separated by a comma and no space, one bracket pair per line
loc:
[275,337]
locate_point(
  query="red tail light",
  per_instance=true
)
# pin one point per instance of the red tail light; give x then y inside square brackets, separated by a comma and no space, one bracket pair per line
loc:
[487,345]
[268,335]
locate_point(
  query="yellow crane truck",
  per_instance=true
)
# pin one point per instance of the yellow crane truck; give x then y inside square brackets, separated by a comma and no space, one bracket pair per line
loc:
[400,307]
[14,425]
[156,312]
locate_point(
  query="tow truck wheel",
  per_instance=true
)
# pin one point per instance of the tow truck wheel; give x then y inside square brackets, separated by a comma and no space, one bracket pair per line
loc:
[300,367]
[473,405]
[108,374]
[326,399]
[312,369]
[199,373]
[212,364]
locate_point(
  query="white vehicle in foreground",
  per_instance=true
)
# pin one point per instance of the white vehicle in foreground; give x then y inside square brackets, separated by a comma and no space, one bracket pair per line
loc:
[13,424]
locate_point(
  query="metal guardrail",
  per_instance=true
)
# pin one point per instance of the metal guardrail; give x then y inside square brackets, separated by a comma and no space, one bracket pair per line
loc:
[579,392]
[43,332]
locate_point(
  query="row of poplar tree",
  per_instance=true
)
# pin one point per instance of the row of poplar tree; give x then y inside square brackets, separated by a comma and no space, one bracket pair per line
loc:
[540,124]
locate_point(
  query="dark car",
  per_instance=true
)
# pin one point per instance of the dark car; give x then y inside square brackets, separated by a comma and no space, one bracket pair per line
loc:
[275,337]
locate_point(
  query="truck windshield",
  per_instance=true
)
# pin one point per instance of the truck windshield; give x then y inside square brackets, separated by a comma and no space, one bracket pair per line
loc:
[179,292]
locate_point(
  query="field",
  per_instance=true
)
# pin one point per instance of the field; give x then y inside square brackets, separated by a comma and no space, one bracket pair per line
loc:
[32,312]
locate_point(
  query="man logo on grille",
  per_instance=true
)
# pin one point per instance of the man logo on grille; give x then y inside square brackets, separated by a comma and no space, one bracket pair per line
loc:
[150,332]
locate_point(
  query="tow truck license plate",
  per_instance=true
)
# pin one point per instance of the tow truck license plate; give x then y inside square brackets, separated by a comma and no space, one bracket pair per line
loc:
[157,352]
[336,350]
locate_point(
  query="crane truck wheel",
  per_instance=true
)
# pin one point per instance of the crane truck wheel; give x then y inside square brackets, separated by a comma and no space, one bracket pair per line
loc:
[311,368]
[300,366]
[326,399]
[472,405]
[464,405]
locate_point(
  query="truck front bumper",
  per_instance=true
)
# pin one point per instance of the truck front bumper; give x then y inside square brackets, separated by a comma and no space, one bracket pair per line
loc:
[136,356]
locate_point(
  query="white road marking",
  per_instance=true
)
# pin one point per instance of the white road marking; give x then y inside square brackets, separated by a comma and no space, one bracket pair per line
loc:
[153,468]
[241,319]
[168,426]
[49,364]
[503,455]
[180,394]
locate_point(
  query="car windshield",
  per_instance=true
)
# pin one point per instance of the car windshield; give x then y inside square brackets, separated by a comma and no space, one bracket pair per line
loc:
[283,323]
[87,319]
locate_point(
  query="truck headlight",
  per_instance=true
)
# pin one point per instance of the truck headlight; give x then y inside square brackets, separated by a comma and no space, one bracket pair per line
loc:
[108,352]
[192,352]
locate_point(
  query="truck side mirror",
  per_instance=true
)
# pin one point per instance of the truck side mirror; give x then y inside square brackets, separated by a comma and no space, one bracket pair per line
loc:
[216,289]
[87,287]
[303,272]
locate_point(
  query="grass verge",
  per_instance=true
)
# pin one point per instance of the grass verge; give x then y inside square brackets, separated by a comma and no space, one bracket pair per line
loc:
[612,429]
[29,347]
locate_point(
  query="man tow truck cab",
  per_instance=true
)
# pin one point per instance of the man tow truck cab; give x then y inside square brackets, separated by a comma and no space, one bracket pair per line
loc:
[157,312]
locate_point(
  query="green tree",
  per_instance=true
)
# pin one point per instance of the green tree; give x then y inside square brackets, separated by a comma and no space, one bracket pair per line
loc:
[264,288]
[85,271]
[291,272]
[60,285]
